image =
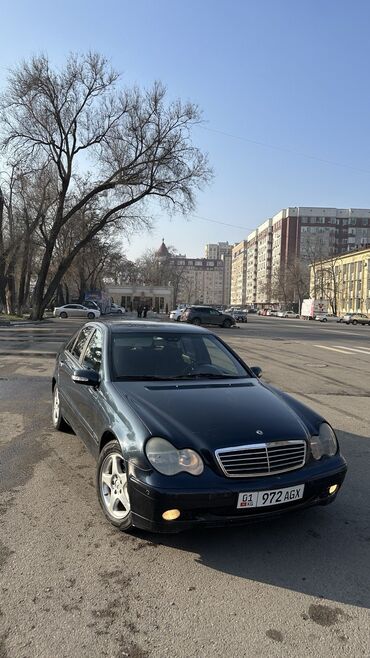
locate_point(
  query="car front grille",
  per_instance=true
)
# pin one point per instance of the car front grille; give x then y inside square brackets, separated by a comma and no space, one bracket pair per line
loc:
[262,458]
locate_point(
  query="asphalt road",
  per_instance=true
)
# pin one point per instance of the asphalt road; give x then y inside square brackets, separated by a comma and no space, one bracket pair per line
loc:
[71,585]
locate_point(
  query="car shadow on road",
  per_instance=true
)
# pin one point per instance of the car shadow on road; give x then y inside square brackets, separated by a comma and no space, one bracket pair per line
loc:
[323,551]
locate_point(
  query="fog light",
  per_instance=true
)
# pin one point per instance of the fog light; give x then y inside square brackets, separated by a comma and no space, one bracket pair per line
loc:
[171,514]
[333,488]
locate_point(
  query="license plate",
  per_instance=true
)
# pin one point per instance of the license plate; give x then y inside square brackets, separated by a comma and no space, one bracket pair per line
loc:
[270,497]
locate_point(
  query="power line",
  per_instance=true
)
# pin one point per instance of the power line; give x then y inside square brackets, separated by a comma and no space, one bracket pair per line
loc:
[214,221]
[285,150]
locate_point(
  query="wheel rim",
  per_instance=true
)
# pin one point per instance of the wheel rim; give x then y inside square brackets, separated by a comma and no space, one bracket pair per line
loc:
[196,321]
[56,405]
[113,486]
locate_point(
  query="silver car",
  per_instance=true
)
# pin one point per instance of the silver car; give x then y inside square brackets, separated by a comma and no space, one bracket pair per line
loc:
[76,311]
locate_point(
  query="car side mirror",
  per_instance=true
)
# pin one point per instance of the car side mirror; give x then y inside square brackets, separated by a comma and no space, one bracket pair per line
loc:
[86,377]
[257,371]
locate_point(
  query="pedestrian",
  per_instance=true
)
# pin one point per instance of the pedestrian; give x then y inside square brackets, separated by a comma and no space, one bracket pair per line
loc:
[145,311]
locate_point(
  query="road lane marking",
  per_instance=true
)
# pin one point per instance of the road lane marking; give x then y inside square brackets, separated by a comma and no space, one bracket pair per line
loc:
[354,349]
[333,349]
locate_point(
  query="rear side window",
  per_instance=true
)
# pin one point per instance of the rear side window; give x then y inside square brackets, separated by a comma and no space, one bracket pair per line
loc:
[81,342]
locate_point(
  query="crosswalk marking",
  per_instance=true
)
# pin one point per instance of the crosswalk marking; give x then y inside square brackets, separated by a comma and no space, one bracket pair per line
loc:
[333,349]
[360,350]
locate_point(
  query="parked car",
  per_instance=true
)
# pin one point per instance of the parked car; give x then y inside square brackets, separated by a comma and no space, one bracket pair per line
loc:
[207,315]
[176,313]
[356,318]
[287,314]
[117,310]
[321,317]
[185,433]
[239,316]
[76,311]
[89,303]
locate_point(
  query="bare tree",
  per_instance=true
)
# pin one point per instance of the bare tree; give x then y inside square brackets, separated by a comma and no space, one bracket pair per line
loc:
[26,195]
[138,145]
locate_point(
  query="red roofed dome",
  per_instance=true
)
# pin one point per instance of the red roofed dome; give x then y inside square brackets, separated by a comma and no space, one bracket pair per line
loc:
[162,251]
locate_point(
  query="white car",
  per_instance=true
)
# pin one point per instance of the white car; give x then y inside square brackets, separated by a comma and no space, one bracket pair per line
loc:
[118,310]
[176,314]
[321,317]
[75,311]
[287,314]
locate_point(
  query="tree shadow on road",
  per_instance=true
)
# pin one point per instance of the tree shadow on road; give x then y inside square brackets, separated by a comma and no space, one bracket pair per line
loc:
[323,551]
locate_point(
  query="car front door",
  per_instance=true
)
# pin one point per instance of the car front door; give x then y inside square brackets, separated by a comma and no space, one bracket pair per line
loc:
[214,316]
[70,360]
[92,405]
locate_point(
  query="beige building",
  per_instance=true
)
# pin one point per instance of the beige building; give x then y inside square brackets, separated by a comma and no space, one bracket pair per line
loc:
[222,251]
[196,280]
[238,273]
[201,280]
[343,281]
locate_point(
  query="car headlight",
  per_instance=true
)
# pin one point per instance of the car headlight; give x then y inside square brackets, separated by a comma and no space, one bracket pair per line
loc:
[325,443]
[166,459]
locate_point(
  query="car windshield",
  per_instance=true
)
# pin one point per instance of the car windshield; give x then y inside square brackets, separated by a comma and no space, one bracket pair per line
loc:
[165,356]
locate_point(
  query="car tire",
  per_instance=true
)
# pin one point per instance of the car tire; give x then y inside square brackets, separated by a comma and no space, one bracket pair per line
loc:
[56,415]
[196,321]
[111,472]
[325,319]
[119,312]
[91,316]
[63,315]
[354,322]
[178,319]
[226,324]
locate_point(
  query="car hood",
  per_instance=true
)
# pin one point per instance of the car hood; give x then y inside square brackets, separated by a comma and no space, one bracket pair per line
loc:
[213,414]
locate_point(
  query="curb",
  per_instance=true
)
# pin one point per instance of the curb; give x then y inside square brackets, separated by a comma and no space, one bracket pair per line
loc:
[46,355]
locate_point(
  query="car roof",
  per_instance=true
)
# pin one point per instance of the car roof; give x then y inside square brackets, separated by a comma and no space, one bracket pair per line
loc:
[117,326]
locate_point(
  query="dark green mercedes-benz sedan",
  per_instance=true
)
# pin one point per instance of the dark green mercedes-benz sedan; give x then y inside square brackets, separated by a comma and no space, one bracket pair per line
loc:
[185,433]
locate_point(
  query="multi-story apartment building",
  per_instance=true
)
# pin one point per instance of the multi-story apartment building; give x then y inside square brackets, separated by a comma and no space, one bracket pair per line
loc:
[194,280]
[239,273]
[251,276]
[344,281]
[222,251]
[304,233]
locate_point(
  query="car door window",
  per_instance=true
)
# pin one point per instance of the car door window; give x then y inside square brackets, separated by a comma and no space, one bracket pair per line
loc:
[93,354]
[81,342]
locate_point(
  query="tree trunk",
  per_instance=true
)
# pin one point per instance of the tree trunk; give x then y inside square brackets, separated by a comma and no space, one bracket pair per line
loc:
[10,291]
[2,257]
[23,276]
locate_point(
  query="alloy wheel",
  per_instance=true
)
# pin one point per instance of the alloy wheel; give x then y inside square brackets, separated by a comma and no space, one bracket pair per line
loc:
[56,406]
[113,486]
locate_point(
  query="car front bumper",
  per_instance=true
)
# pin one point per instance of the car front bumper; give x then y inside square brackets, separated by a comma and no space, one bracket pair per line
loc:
[217,506]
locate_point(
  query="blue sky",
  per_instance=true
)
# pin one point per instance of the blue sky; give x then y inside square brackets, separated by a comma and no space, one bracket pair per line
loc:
[291,75]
